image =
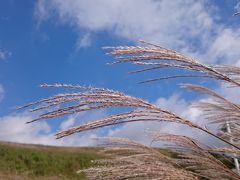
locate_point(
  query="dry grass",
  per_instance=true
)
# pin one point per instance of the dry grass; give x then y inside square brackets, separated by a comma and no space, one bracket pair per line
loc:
[145,162]
[156,57]
[92,98]
[138,162]
[219,110]
[194,156]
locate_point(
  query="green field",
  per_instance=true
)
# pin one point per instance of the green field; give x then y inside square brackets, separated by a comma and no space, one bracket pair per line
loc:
[18,161]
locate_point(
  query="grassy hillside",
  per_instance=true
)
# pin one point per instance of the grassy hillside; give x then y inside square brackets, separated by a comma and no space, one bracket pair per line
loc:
[25,162]
[18,161]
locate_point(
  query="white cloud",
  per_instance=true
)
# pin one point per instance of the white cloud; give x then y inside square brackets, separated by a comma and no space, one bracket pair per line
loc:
[84,41]
[41,11]
[168,22]
[225,48]
[230,93]
[74,120]
[173,103]
[4,54]
[190,26]
[68,123]
[237,6]
[14,128]
[2,92]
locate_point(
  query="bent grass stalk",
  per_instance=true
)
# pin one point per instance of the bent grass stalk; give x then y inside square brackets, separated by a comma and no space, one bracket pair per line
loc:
[155,58]
[98,98]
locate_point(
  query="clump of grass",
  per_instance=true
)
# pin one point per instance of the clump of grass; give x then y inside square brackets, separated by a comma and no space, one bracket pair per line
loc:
[138,162]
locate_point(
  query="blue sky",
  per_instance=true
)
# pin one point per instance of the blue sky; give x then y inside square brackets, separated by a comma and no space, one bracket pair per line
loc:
[49,41]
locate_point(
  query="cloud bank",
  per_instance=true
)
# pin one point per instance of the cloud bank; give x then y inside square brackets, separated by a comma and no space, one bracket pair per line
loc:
[187,25]
[14,129]
[172,23]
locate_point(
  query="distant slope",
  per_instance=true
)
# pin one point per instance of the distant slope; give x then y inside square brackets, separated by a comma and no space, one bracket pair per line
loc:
[24,161]
[27,161]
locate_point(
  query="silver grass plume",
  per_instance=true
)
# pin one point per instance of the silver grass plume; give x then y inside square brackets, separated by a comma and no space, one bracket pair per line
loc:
[195,156]
[92,98]
[132,160]
[155,57]
[220,110]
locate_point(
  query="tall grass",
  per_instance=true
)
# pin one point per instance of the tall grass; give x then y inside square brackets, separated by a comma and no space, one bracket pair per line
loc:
[194,160]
